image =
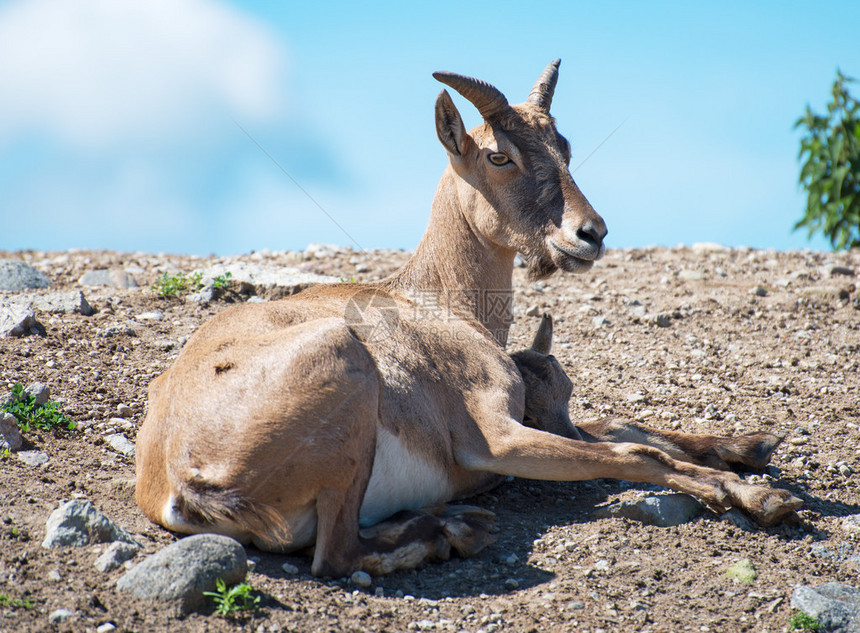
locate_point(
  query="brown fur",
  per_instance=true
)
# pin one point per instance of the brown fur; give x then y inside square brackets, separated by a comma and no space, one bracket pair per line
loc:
[350,402]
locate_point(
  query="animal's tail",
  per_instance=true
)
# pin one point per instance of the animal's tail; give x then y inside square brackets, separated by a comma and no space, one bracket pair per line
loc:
[208,507]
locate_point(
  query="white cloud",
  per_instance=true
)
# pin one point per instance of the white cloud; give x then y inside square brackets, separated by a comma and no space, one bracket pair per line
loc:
[96,73]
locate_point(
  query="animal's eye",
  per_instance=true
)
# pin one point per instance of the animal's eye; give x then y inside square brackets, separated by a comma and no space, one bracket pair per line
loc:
[499,159]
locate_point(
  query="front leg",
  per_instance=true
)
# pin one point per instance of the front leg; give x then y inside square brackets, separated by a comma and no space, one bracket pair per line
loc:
[508,448]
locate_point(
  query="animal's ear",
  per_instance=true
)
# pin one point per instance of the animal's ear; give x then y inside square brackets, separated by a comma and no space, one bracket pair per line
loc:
[449,126]
[543,339]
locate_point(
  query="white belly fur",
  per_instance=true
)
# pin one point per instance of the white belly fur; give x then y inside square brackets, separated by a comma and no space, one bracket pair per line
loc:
[400,481]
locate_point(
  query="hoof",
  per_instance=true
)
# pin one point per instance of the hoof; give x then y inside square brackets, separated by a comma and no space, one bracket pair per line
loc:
[776,507]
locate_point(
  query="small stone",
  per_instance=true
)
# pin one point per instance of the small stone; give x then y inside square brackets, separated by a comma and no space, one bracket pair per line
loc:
[600,321]
[512,559]
[742,571]
[107,627]
[841,270]
[40,392]
[845,470]
[54,576]
[534,310]
[33,458]
[575,605]
[60,615]
[115,555]
[519,261]
[362,268]
[379,592]
[759,291]
[10,434]
[361,579]
[511,584]
[155,315]
[290,569]
[124,411]
[120,443]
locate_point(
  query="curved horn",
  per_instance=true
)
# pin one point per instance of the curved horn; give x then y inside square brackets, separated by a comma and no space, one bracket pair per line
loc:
[486,97]
[541,94]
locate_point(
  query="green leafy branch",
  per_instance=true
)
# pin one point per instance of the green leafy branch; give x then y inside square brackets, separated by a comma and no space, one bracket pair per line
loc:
[831,171]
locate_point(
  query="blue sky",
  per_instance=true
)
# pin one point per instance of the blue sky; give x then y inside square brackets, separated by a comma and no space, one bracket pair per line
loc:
[117,119]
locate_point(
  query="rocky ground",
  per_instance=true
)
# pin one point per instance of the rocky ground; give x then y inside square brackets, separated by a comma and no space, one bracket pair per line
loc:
[703,339]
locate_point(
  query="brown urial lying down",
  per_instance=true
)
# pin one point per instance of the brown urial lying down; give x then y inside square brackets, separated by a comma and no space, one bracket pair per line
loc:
[296,422]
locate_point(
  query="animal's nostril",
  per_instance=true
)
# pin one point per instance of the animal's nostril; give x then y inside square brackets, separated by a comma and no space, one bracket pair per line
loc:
[591,234]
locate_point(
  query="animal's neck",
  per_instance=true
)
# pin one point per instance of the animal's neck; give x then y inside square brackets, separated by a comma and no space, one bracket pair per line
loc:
[456,267]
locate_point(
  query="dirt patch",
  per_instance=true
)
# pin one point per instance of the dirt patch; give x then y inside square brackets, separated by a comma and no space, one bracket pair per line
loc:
[708,340]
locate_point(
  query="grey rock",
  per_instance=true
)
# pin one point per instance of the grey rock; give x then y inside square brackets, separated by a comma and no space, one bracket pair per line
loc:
[10,434]
[114,278]
[599,321]
[534,310]
[841,270]
[78,523]
[107,627]
[268,282]
[759,291]
[361,579]
[16,276]
[55,302]
[663,510]
[124,411]
[40,392]
[33,458]
[290,569]
[54,576]
[519,261]
[16,320]
[851,524]
[115,555]
[835,605]
[740,520]
[155,315]
[120,443]
[362,268]
[60,615]
[181,572]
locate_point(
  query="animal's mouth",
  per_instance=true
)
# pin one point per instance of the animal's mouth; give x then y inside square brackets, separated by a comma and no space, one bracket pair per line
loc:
[573,257]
